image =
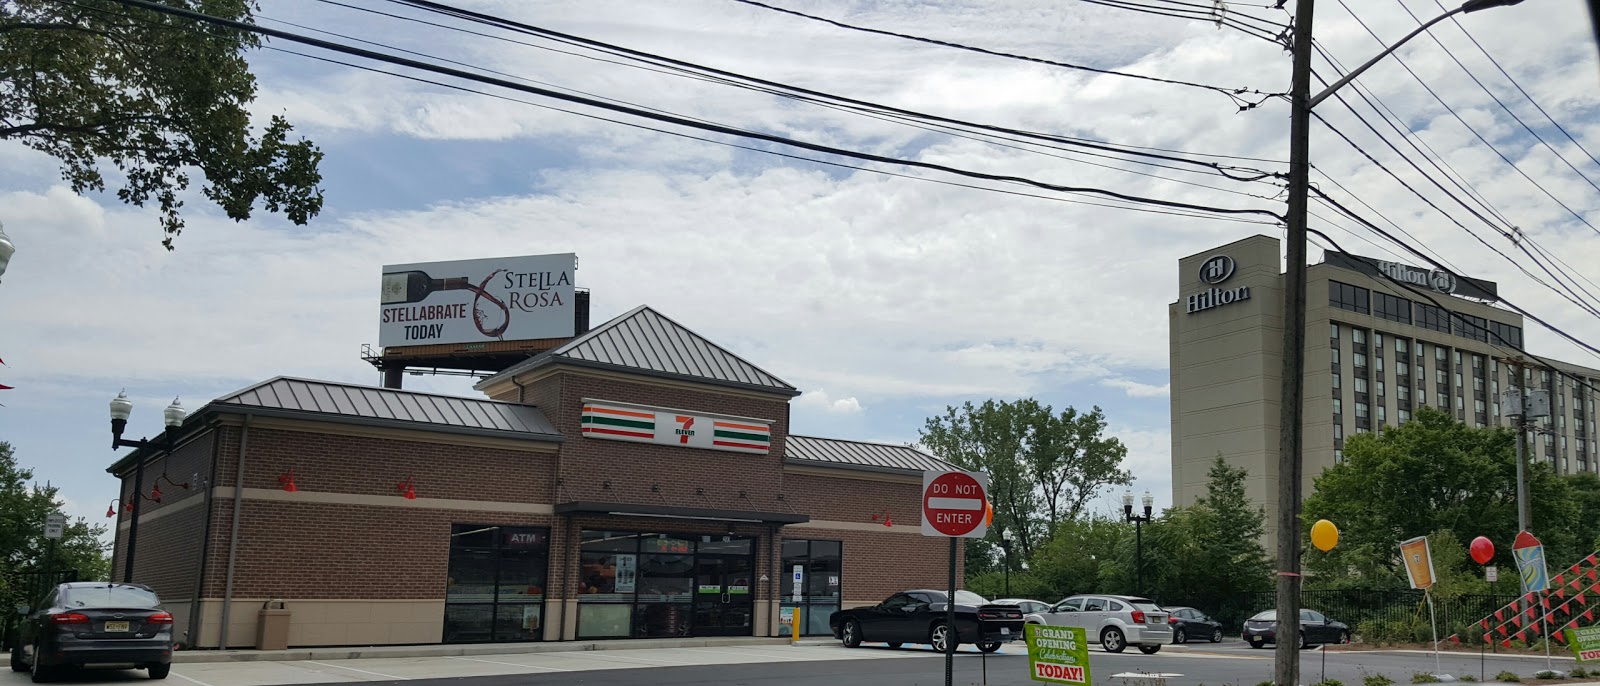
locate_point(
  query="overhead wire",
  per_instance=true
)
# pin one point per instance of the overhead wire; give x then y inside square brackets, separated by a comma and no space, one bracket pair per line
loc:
[672,119]
[1178,13]
[1232,93]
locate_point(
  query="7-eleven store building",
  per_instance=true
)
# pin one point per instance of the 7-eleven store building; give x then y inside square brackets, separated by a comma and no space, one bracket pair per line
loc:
[638,481]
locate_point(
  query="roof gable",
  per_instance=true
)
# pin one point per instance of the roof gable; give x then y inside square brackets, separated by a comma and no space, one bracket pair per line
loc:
[644,340]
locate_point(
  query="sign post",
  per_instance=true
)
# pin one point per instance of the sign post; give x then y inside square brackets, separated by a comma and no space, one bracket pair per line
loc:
[1058,654]
[953,506]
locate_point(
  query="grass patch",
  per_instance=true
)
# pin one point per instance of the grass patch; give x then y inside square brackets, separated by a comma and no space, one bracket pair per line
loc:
[1376,680]
[1468,677]
[1329,682]
[1424,678]
[1579,672]
[1508,677]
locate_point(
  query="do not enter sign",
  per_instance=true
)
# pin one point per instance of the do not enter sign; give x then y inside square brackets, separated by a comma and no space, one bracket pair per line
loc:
[953,504]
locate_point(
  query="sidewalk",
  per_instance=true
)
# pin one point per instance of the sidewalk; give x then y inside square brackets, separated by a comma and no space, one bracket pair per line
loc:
[471,649]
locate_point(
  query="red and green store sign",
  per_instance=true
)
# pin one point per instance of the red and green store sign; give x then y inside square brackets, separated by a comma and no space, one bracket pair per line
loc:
[616,421]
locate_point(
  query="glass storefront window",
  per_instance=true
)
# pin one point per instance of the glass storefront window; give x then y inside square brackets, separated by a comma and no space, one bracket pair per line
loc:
[821,563]
[495,586]
[656,585]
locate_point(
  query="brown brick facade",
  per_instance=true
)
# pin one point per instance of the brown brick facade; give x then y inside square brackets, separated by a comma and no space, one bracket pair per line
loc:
[347,540]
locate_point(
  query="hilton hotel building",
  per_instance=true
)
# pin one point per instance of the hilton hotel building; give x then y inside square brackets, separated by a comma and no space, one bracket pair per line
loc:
[1375,353]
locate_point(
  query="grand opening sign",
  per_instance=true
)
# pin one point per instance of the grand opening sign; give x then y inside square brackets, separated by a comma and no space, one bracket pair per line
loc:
[1058,654]
[475,301]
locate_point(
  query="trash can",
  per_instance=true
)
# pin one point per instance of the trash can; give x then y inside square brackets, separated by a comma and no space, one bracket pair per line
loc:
[272,626]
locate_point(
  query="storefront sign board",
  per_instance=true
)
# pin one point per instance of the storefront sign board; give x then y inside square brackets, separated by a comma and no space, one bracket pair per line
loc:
[1058,654]
[614,421]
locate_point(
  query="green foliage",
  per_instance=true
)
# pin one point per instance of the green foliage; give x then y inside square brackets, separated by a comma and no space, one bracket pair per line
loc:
[1508,677]
[1384,632]
[1578,672]
[93,82]
[23,507]
[1376,680]
[1431,476]
[1424,678]
[1266,683]
[1329,682]
[1468,677]
[1043,467]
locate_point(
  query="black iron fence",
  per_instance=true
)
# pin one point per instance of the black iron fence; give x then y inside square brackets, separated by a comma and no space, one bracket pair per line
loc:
[31,588]
[1378,616]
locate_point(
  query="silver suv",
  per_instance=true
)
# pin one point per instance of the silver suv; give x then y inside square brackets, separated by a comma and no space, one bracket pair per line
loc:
[1117,621]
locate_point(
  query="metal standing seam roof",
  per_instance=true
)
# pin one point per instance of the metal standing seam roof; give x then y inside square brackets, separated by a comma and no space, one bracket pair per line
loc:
[387,404]
[643,339]
[861,454]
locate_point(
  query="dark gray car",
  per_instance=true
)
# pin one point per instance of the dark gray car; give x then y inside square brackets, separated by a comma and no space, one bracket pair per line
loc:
[92,624]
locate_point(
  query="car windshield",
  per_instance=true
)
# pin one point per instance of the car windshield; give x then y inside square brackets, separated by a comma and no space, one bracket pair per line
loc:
[109,596]
[962,598]
[1267,616]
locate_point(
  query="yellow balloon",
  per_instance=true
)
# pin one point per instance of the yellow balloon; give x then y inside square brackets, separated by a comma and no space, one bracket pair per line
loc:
[1324,535]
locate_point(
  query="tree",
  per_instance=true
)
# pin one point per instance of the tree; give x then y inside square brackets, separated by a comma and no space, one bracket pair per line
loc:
[1428,475]
[1042,467]
[155,97]
[23,548]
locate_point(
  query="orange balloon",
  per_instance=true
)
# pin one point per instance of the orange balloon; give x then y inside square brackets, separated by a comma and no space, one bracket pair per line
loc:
[988,513]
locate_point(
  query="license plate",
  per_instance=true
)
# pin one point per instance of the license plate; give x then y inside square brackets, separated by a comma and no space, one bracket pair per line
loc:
[112,627]
[1005,631]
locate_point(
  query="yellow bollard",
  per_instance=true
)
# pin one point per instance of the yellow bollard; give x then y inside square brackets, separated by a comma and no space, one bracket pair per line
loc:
[794,627]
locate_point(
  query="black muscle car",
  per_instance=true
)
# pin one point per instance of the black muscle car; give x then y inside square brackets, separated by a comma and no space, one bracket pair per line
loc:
[918,616]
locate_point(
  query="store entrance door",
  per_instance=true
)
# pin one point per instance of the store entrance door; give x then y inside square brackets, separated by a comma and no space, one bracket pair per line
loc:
[723,602]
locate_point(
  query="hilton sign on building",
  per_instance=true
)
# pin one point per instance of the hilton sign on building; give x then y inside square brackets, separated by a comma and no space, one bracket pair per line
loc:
[1382,339]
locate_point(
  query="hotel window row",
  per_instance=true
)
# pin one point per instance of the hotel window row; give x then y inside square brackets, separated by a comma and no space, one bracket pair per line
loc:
[1363,354]
[1432,317]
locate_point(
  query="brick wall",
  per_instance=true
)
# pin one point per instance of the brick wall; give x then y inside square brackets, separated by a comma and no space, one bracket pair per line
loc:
[170,532]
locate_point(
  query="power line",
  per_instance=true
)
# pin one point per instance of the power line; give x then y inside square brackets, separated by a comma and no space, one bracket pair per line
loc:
[669,119]
[1232,93]
[1469,127]
[788,90]
[1177,13]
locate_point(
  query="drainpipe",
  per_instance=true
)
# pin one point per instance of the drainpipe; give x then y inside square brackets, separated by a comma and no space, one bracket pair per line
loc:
[569,548]
[521,392]
[233,534]
[193,633]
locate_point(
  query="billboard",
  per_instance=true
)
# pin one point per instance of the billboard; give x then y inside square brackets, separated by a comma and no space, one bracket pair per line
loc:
[473,301]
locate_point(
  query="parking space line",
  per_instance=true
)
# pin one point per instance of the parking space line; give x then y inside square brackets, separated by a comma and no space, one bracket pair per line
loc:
[190,679]
[363,671]
[508,664]
[601,655]
[716,651]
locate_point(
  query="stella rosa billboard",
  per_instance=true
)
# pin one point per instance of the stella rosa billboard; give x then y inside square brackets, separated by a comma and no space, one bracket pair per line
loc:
[474,301]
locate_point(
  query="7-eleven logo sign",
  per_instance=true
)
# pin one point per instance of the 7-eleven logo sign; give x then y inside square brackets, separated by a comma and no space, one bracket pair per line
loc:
[685,428]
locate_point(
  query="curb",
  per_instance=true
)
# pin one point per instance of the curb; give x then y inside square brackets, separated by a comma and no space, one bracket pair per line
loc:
[459,650]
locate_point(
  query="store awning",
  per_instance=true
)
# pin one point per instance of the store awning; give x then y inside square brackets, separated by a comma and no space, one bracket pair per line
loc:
[671,512]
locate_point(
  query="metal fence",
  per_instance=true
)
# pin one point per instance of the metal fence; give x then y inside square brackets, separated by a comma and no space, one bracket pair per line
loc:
[1381,615]
[33,587]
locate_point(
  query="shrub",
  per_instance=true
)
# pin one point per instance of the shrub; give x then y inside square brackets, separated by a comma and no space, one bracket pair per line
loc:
[1424,678]
[1329,682]
[1266,683]
[1579,672]
[1468,677]
[1508,677]
[1376,680]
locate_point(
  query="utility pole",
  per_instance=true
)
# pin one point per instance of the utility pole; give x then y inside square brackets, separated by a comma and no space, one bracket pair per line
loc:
[1291,404]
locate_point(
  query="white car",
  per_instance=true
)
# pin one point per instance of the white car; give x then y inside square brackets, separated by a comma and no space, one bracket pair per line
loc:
[1116,621]
[1027,605]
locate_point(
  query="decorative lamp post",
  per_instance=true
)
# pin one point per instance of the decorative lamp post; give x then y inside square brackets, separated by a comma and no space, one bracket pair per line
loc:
[7,249]
[1006,537]
[1138,533]
[121,408]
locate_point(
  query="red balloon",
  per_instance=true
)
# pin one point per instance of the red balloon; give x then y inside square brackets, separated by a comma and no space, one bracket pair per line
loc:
[1482,550]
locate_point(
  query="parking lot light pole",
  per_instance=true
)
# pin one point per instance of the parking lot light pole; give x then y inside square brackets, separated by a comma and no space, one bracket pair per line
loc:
[1138,533]
[121,408]
[1005,545]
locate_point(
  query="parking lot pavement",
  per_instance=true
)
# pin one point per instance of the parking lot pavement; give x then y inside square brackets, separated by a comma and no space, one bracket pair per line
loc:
[416,668]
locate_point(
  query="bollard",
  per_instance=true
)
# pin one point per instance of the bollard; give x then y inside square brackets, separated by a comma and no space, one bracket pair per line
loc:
[794,627]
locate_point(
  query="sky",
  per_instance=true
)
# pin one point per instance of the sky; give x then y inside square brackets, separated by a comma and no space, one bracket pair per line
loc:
[884,298]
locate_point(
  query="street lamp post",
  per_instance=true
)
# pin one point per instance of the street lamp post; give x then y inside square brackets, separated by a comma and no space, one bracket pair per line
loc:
[1138,533]
[121,407]
[1005,545]
[7,249]
[1286,670]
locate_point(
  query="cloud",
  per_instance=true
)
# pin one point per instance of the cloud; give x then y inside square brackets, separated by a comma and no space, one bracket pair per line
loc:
[820,400]
[1135,389]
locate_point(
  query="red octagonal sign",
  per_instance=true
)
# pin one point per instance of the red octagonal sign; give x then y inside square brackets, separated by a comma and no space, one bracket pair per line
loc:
[953,504]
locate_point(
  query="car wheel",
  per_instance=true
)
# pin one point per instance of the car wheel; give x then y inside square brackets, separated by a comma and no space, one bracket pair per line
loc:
[1113,641]
[851,634]
[989,647]
[159,671]
[1305,641]
[41,673]
[17,665]
[1180,636]
[1257,643]
[1216,635]
[1344,637]
[940,635]
[1150,649]
[895,644]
